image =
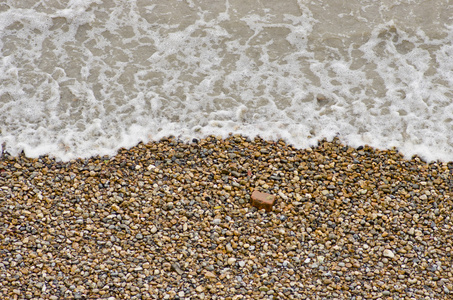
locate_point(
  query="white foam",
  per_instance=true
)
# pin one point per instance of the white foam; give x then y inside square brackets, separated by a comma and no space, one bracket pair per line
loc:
[91,77]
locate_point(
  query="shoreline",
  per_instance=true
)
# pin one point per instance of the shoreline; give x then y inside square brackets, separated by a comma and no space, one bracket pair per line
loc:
[169,220]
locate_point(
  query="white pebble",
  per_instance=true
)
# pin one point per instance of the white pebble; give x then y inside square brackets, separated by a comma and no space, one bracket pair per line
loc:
[388,253]
[199,289]
[284,197]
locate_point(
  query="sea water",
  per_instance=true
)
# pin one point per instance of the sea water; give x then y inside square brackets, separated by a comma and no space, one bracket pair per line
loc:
[86,77]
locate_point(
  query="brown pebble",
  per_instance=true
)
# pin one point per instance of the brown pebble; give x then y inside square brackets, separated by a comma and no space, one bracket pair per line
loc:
[263,200]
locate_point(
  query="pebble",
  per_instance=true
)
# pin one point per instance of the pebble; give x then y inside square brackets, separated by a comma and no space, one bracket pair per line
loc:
[199,289]
[388,253]
[229,249]
[169,220]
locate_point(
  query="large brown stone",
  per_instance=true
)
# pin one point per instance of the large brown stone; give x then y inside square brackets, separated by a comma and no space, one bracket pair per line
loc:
[263,200]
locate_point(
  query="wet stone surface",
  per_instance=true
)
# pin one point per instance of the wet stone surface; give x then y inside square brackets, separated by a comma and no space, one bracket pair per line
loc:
[169,220]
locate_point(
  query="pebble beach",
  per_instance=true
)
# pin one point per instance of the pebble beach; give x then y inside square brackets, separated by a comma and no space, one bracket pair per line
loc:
[174,220]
